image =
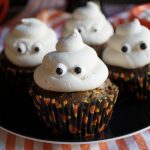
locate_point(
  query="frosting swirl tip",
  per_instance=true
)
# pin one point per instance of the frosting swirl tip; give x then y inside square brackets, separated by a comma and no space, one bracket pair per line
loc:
[132,27]
[73,42]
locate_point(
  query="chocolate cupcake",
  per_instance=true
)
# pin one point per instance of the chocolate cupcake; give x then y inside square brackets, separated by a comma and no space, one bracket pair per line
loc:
[93,26]
[25,47]
[71,93]
[128,59]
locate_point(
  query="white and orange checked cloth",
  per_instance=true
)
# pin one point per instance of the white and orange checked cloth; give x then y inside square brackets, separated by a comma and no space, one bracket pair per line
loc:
[139,141]
[8,141]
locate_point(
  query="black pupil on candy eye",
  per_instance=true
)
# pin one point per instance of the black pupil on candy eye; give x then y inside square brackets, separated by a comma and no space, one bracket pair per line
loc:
[37,49]
[78,70]
[19,50]
[95,30]
[143,46]
[124,49]
[59,71]
[79,30]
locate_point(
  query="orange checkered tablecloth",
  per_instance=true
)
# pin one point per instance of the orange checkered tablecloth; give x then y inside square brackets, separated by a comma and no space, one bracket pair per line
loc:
[9,141]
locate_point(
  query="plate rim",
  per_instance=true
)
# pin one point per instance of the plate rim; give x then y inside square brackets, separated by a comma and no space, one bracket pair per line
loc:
[75,143]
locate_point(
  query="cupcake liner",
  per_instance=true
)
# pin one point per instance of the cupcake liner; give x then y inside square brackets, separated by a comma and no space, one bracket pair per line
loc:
[83,119]
[134,84]
[13,77]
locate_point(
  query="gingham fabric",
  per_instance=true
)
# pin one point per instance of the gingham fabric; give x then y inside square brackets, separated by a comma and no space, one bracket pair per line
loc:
[55,19]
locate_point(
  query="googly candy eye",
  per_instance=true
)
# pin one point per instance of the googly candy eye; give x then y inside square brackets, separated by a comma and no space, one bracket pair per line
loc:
[61,69]
[143,46]
[78,70]
[37,47]
[95,30]
[21,48]
[126,48]
[80,29]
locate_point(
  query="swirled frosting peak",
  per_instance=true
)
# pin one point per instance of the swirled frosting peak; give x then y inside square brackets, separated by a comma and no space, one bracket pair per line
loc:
[28,42]
[91,23]
[90,10]
[74,66]
[70,43]
[129,28]
[129,47]
[27,25]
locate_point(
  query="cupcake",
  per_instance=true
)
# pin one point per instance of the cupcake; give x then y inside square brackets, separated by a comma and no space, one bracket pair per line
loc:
[72,94]
[128,58]
[25,47]
[93,26]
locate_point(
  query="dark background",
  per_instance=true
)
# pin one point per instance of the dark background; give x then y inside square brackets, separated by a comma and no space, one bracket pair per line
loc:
[109,7]
[72,4]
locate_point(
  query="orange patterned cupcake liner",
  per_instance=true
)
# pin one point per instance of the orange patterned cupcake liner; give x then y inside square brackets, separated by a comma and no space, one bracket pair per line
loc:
[86,119]
[132,84]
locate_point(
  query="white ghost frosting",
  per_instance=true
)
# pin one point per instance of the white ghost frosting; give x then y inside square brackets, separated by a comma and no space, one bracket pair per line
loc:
[94,28]
[74,66]
[29,42]
[129,47]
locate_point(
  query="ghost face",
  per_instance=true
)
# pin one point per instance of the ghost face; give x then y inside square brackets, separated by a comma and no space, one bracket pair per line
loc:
[26,52]
[128,51]
[137,43]
[66,72]
[92,31]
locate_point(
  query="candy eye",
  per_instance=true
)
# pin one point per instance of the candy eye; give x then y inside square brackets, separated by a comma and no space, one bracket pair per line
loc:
[61,69]
[95,30]
[143,46]
[80,29]
[78,70]
[21,48]
[126,48]
[37,48]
